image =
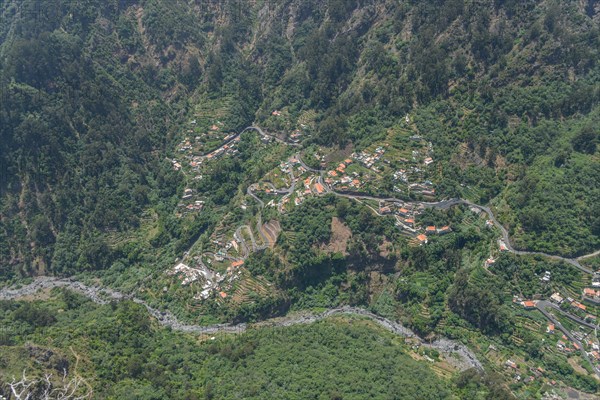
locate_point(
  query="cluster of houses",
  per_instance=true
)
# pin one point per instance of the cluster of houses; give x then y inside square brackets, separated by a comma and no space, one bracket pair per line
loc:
[406,214]
[188,204]
[536,373]
[225,281]
[589,341]
[592,294]
[577,306]
[425,188]
[564,344]
[341,180]
[211,282]
[189,275]
[367,159]
[227,149]
[188,148]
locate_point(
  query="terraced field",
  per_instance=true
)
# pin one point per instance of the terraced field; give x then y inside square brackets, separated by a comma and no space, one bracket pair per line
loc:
[271,231]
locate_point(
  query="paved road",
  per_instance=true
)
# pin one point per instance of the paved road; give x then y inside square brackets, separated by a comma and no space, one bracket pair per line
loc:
[261,205]
[250,193]
[299,156]
[166,318]
[259,130]
[445,204]
[237,235]
[289,191]
[249,128]
[507,241]
[574,318]
[541,306]
[594,254]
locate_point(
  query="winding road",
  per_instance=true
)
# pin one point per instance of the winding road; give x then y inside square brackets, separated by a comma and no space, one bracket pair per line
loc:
[166,318]
[259,130]
[443,204]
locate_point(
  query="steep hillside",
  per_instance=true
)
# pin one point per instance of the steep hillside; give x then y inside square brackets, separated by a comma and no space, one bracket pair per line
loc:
[123,166]
[92,93]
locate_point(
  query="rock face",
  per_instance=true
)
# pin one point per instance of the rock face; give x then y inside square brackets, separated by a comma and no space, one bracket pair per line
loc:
[48,358]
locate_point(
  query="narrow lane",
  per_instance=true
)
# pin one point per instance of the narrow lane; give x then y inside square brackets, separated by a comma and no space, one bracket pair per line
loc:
[541,306]
[547,304]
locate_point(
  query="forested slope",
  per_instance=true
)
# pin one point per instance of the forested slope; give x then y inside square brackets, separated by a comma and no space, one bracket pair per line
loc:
[92,92]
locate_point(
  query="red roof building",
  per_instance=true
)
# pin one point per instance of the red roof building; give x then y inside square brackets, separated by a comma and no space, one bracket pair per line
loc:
[529,304]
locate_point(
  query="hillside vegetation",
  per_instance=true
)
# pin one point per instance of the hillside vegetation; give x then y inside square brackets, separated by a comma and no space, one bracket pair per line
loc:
[337,358]
[112,113]
[93,93]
